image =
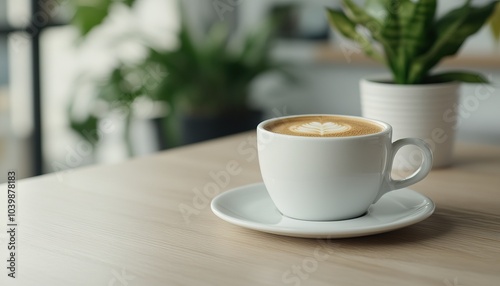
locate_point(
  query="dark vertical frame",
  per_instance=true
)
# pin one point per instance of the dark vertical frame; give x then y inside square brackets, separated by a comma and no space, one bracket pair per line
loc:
[36,91]
[34,30]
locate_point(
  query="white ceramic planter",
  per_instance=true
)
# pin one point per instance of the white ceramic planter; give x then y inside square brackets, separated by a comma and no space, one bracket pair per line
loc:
[424,111]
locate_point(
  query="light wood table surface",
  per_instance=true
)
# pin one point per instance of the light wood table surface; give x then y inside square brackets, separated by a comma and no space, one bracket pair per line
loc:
[122,225]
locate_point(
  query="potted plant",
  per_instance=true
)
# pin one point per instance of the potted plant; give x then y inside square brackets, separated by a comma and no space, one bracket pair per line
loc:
[208,81]
[204,83]
[410,40]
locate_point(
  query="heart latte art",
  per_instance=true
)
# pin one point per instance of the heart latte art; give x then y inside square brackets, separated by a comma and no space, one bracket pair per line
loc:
[323,126]
[318,128]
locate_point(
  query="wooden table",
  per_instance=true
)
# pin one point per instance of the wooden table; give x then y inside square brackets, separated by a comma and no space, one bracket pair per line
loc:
[123,225]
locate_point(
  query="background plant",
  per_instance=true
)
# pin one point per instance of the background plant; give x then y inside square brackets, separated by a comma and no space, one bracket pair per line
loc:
[205,76]
[409,38]
[212,76]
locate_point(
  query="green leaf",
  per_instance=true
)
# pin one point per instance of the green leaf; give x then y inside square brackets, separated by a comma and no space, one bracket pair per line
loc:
[391,27]
[495,23]
[361,17]
[451,32]
[85,127]
[391,32]
[461,76]
[344,25]
[378,8]
[416,21]
[90,14]
[347,28]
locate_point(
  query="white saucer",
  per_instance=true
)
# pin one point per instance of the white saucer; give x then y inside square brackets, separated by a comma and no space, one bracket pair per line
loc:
[251,207]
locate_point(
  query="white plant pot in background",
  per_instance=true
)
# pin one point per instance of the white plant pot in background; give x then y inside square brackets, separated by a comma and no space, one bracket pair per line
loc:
[426,111]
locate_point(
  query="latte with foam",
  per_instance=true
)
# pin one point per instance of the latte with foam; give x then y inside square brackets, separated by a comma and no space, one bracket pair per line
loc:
[323,126]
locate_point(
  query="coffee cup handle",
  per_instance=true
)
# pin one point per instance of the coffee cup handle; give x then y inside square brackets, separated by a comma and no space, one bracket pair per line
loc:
[425,167]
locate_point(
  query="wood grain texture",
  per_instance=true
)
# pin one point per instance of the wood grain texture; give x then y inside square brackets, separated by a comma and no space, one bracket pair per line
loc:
[121,225]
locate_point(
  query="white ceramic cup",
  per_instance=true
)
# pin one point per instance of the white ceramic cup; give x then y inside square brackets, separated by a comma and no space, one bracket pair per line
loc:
[332,178]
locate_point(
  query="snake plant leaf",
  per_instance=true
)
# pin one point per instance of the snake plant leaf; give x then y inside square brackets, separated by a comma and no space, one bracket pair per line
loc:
[391,31]
[415,22]
[359,16]
[446,28]
[495,23]
[451,32]
[461,76]
[344,25]
[474,20]
[378,8]
[347,28]
[391,27]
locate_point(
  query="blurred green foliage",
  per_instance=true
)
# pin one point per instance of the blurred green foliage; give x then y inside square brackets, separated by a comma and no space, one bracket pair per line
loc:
[203,76]
[91,13]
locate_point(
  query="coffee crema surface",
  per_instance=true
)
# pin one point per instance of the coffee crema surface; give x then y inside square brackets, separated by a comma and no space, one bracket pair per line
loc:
[323,126]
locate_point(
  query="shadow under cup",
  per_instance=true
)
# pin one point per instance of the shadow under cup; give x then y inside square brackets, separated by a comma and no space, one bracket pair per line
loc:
[325,178]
